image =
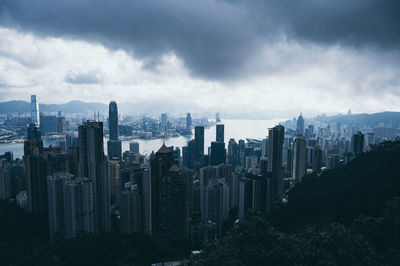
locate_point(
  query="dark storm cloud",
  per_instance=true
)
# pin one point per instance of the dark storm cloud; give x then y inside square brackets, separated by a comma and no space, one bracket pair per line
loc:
[215,39]
[358,23]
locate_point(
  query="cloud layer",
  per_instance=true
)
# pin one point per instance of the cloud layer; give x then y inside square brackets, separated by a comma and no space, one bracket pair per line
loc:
[215,39]
[315,55]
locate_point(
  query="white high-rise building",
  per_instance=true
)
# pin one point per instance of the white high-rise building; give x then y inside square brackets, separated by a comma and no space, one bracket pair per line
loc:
[35,110]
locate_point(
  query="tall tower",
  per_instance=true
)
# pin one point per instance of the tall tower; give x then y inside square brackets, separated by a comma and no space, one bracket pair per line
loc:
[79,207]
[94,166]
[220,133]
[199,139]
[316,159]
[35,110]
[164,122]
[173,214]
[299,158]
[300,125]
[275,145]
[114,144]
[55,190]
[160,166]
[357,143]
[113,120]
[188,121]
[217,118]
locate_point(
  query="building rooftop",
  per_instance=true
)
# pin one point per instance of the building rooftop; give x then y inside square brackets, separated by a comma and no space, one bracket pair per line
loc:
[164,149]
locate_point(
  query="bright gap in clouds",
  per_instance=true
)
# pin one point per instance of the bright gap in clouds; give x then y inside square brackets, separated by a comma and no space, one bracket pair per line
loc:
[285,77]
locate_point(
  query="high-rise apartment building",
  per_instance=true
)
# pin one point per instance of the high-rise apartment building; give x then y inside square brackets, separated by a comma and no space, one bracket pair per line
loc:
[160,165]
[357,144]
[79,207]
[316,159]
[131,209]
[173,215]
[55,190]
[275,145]
[299,158]
[93,165]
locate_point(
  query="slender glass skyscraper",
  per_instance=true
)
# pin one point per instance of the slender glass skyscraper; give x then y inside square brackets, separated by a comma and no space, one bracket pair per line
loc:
[114,144]
[35,110]
[220,133]
[113,120]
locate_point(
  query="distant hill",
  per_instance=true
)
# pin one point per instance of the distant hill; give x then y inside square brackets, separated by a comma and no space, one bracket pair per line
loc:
[70,107]
[391,119]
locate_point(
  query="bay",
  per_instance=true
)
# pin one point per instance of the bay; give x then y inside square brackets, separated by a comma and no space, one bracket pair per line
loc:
[237,129]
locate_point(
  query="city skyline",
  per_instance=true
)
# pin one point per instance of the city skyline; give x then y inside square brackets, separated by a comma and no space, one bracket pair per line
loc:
[214,132]
[257,57]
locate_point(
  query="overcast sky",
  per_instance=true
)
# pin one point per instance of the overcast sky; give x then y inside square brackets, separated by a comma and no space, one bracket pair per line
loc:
[291,56]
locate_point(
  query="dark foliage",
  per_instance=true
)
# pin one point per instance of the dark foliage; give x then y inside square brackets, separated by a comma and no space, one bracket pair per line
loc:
[360,188]
[348,216]
[24,241]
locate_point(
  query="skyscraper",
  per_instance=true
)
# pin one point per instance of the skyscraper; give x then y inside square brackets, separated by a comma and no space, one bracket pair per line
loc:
[163,122]
[55,189]
[357,143]
[113,173]
[34,132]
[131,209]
[113,120]
[188,121]
[160,166]
[217,118]
[199,147]
[35,110]
[93,165]
[134,147]
[316,159]
[300,125]
[114,144]
[299,158]
[199,140]
[233,152]
[275,145]
[173,204]
[220,133]
[218,153]
[35,172]
[79,207]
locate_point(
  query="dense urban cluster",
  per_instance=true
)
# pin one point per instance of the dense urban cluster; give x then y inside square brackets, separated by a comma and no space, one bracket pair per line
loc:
[195,194]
